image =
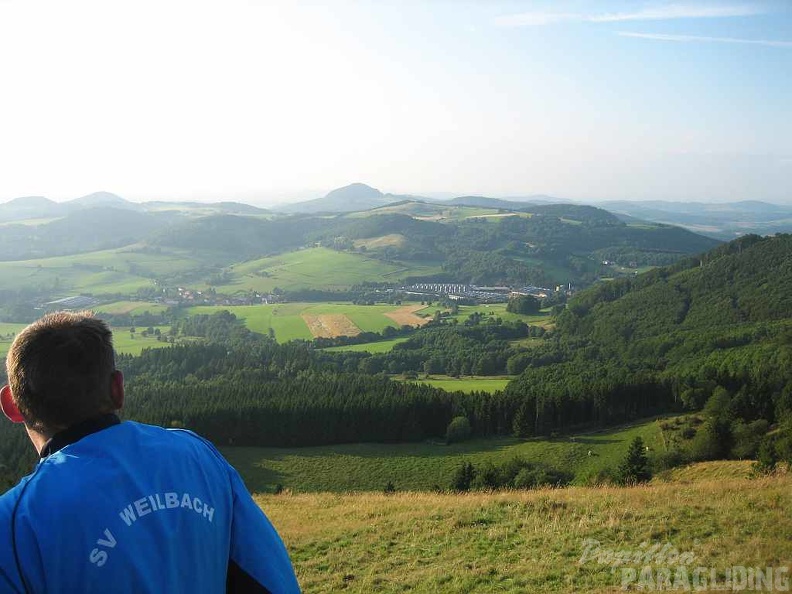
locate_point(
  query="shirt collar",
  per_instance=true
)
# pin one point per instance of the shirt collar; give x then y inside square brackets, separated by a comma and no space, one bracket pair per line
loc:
[76,432]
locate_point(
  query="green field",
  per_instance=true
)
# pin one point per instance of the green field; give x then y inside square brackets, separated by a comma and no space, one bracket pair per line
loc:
[122,270]
[122,338]
[530,541]
[466,384]
[7,333]
[131,308]
[316,268]
[429,212]
[125,342]
[286,322]
[383,346]
[498,310]
[421,466]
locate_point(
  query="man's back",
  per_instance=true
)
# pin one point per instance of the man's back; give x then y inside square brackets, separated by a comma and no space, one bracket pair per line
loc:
[136,508]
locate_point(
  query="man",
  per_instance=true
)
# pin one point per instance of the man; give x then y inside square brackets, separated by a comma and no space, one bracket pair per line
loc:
[119,506]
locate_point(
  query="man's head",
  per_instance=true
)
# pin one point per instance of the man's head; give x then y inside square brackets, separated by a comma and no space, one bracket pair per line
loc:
[61,370]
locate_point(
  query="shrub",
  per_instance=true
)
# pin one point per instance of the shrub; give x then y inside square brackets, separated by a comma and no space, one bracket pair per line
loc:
[748,438]
[458,430]
[463,477]
[670,459]
[713,441]
[767,457]
[486,477]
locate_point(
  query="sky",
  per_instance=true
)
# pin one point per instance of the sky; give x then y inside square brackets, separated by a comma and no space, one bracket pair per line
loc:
[270,101]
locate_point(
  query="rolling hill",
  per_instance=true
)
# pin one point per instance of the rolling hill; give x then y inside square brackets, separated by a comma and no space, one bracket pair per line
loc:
[353,197]
[85,230]
[714,324]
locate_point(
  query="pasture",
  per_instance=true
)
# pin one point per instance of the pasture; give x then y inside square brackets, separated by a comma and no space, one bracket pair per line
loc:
[316,268]
[423,466]
[288,320]
[7,333]
[130,343]
[123,340]
[382,346]
[466,384]
[118,271]
[498,310]
[530,541]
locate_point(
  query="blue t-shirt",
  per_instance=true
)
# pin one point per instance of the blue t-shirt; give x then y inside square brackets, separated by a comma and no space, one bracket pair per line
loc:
[136,508]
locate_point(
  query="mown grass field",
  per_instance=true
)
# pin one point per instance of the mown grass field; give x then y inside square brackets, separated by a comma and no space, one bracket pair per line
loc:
[286,322]
[316,268]
[133,344]
[122,270]
[498,310]
[428,212]
[424,466]
[466,384]
[123,341]
[7,333]
[383,346]
[528,541]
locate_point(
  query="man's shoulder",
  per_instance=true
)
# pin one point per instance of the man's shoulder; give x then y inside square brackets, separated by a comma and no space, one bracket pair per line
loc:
[173,438]
[8,501]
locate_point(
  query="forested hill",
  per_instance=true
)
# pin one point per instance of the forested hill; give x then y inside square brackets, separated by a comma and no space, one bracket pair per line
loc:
[718,326]
[747,280]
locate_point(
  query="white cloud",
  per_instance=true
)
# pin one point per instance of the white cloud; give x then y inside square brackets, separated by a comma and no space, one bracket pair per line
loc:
[677,11]
[661,13]
[699,39]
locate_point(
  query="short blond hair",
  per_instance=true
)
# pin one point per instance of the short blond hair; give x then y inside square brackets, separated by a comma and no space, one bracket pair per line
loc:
[60,370]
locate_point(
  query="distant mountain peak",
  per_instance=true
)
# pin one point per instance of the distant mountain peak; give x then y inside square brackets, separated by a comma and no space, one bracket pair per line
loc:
[351,198]
[99,198]
[356,190]
[30,200]
[103,199]
[29,207]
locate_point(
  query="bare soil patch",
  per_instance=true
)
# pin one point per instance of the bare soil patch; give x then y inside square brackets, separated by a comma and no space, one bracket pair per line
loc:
[405,316]
[330,325]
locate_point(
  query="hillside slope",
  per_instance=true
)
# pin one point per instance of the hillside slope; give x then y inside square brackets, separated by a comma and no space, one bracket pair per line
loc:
[718,324]
[526,541]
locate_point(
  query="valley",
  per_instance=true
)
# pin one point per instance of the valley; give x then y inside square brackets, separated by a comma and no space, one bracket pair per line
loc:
[463,380]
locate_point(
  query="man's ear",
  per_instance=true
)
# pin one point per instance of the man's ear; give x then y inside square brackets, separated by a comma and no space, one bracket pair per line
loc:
[117,389]
[10,408]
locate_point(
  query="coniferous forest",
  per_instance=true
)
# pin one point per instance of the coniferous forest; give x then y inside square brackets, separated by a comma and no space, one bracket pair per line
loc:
[710,332]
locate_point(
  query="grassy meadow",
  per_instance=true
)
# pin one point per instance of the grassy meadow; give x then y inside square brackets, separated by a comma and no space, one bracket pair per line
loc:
[382,346]
[7,334]
[122,270]
[526,541]
[123,340]
[285,319]
[316,268]
[466,384]
[130,343]
[427,465]
[497,310]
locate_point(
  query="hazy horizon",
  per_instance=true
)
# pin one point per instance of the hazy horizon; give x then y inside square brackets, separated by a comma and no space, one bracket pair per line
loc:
[285,199]
[277,102]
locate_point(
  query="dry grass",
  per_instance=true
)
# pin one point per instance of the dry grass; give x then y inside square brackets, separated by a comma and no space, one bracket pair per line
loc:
[525,541]
[392,240]
[330,325]
[405,316]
